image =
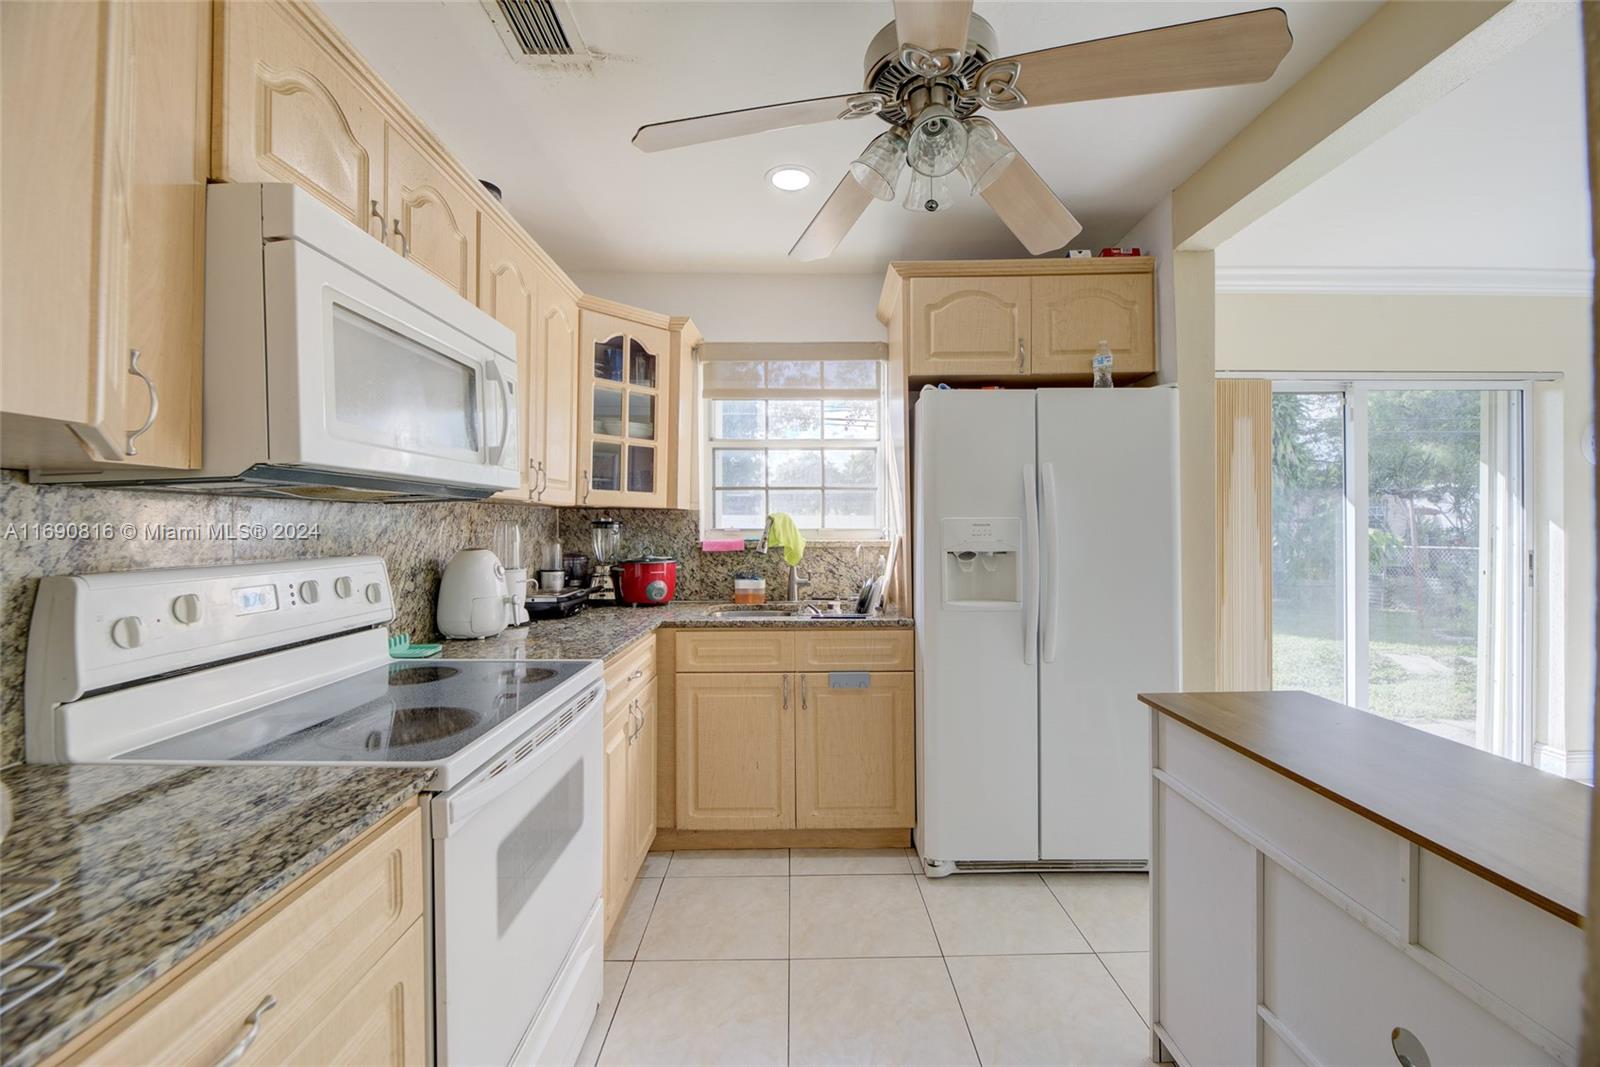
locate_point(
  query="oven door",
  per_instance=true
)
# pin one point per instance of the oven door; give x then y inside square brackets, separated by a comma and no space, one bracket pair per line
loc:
[362,379]
[517,874]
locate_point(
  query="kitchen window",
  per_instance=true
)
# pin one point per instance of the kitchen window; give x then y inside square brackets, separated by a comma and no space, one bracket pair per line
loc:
[1401,567]
[800,435]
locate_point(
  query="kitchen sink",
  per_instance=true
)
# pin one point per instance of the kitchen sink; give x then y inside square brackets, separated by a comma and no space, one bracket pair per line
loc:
[798,612]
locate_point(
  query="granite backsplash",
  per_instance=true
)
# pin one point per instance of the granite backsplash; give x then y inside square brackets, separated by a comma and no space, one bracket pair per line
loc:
[835,569]
[416,541]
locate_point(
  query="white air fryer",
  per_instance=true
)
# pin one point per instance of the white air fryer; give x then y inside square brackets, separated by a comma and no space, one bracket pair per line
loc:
[472,595]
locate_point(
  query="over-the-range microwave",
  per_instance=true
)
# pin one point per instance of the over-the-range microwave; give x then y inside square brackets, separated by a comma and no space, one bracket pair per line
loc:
[337,369]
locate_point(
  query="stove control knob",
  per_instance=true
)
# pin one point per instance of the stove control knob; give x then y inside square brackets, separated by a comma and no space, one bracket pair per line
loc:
[128,632]
[374,592]
[186,609]
[343,588]
[309,591]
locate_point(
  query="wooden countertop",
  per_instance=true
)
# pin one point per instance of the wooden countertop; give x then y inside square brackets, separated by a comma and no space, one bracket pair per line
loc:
[1520,828]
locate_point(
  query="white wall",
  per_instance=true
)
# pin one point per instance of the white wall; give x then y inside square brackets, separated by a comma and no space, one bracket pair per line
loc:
[754,307]
[1268,332]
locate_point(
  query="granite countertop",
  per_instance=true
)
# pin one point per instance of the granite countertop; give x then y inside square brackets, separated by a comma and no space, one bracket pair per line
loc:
[154,861]
[598,632]
[1510,824]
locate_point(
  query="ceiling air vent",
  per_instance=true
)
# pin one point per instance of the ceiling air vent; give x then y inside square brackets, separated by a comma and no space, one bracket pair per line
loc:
[537,31]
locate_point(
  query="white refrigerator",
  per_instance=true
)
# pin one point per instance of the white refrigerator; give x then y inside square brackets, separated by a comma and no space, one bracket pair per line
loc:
[1046,573]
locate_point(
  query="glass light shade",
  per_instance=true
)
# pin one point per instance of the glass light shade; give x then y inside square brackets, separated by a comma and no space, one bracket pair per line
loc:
[938,142]
[927,193]
[878,167]
[987,154]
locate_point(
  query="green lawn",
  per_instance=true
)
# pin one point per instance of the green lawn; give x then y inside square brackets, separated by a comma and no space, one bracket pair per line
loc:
[1408,681]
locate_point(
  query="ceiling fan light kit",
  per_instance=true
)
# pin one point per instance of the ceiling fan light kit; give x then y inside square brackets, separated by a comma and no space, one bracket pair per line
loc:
[929,70]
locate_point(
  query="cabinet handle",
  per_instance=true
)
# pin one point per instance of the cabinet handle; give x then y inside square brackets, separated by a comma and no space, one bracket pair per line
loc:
[544,479]
[803,693]
[636,675]
[539,481]
[252,1030]
[155,401]
[1022,355]
[786,692]
[586,487]
[383,227]
[405,242]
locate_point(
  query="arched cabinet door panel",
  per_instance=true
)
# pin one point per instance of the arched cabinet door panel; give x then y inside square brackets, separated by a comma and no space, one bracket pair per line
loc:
[558,389]
[1072,314]
[432,220]
[969,327]
[508,290]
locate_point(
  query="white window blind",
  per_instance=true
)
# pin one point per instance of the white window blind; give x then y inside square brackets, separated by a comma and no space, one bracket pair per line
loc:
[796,434]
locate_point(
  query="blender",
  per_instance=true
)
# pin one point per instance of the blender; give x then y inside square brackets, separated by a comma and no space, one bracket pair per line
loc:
[605,540]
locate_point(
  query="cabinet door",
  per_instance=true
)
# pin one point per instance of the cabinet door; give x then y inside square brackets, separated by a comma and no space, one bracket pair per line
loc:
[1073,313]
[969,327]
[622,433]
[642,779]
[555,419]
[735,741]
[508,290]
[65,106]
[618,815]
[855,753]
[288,109]
[432,220]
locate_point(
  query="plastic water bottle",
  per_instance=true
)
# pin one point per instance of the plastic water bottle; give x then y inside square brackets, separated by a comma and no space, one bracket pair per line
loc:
[1102,366]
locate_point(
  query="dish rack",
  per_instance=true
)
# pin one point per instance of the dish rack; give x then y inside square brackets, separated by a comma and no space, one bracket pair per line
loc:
[24,943]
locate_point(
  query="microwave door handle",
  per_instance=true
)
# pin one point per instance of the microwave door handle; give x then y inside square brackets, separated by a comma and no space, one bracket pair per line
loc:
[498,450]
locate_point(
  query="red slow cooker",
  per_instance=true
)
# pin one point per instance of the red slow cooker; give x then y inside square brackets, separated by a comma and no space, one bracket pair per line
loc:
[647,580]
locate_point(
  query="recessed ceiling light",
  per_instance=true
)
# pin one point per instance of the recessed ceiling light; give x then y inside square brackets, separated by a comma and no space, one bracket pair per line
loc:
[789,178]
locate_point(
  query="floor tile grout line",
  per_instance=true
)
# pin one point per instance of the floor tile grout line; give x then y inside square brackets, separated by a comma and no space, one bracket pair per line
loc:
[617,1010]
[1064,910]
[950,977]
[1118,984]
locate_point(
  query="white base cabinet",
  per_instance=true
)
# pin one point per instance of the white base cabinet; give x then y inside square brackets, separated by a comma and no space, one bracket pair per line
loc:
[1287,929]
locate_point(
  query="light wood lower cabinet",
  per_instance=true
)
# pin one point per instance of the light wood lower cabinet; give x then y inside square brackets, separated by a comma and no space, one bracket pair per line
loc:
[618,811]
[855,752]
[629,748]
[340,954]
[735,762]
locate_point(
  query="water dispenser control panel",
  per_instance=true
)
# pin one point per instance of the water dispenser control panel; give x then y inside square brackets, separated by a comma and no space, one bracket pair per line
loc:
[982,562]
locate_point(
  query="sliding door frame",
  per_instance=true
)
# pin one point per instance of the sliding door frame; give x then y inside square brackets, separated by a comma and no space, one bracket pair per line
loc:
[1355,566]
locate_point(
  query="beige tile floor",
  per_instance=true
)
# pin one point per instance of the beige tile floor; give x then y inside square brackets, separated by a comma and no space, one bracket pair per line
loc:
[817,956]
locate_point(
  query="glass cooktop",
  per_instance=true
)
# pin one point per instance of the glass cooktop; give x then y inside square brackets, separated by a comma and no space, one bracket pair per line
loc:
[404,712]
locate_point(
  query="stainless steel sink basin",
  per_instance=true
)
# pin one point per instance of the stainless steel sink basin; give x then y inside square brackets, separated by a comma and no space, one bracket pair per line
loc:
[798,612]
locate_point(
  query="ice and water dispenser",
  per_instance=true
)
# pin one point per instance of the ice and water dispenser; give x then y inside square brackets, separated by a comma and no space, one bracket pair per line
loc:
[982,562]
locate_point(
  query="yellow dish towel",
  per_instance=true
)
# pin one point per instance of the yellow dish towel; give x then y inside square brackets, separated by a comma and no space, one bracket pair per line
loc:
[784,534]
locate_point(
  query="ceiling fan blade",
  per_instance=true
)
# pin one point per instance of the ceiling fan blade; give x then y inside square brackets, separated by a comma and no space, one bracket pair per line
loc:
[933,25]
[724,124]
[1029,209]
[1231,50]
[840,212]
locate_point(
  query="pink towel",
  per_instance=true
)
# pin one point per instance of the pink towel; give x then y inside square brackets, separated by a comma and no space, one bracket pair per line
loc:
[731,544]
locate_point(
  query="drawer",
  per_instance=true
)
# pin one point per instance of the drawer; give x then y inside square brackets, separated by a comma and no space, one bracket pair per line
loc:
[308,952]
[628,672]
[855,649]
[734,650]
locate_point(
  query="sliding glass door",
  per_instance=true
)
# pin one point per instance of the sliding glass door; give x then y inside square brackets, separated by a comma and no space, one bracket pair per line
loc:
[1400,563]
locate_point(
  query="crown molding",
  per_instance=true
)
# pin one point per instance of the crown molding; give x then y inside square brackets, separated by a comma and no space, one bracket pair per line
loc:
[1407,280]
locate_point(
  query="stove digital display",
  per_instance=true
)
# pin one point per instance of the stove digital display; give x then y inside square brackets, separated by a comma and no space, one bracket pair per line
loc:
[255,599]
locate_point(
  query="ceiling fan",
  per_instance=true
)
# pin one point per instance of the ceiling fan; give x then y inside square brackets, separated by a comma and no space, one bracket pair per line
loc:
[930,70]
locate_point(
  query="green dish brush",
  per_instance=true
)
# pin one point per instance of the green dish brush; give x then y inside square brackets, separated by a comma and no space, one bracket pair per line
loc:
[400,647]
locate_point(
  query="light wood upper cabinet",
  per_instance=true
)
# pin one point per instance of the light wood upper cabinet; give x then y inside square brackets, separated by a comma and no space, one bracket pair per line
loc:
[735,751]
[855,753]
[554,430]
[289,109]
[105,108]
[508,290]
[1021,319]
[684,486]
[624,410]
[1072,314]
[967,327]
[433,221]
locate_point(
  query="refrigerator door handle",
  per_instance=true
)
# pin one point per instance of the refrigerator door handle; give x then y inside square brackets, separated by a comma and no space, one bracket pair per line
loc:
[1051,581]
[1030,564]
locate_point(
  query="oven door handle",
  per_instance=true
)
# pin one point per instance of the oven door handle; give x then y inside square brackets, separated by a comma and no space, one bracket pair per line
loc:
[453,810]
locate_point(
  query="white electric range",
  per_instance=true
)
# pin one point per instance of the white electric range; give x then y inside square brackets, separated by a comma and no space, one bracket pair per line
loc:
[288,663]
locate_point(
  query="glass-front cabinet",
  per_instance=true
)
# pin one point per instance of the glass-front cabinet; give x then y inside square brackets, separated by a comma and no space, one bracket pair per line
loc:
[626,409]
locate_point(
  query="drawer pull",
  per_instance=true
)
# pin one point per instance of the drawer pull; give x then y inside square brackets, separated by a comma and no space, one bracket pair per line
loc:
[636,675]
[251,1032]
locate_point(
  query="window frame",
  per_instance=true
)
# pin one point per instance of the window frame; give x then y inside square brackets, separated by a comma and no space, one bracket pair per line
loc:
[1355,567]
[708,443]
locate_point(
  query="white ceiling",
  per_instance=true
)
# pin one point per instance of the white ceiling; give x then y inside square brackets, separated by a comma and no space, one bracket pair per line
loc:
[558,143]
[1492,177]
